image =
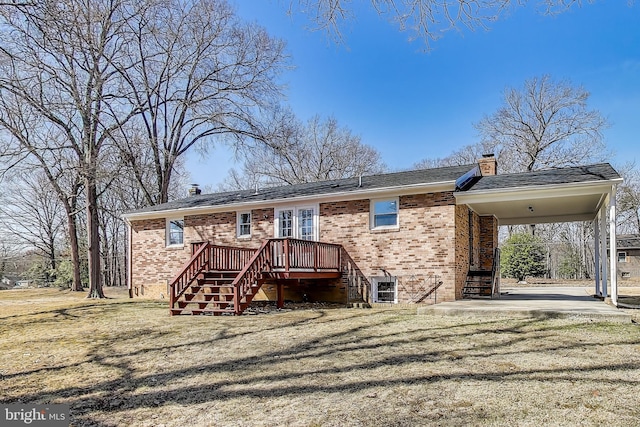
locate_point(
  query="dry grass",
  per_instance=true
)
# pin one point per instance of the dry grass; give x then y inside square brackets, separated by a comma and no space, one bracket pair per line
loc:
[126,363]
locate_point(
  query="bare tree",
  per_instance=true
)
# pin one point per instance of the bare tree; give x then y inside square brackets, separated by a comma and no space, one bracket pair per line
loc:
[200,76]
[545,124]
[57,58]
[466,155]
[629,200]
[296,152]
[424,19]
[35,216]
[26,151]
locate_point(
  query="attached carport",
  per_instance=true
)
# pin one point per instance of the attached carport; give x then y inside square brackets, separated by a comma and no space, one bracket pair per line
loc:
[582,193]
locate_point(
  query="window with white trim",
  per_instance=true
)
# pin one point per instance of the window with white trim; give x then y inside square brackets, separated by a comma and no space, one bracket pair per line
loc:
[385,289]
[622,257]
[384,213]
[305,224]
[175,232]
[244,224]
[299,222]
[285,223]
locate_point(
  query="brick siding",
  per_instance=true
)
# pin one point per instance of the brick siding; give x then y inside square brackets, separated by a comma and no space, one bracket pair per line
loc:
[431,243]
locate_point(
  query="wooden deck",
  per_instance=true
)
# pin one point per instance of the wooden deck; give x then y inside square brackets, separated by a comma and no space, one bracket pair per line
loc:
[224,280]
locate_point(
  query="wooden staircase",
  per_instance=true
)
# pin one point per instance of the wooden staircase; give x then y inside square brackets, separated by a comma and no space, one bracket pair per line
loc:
[211,293]
[478,284]
[220,280]
[484,283]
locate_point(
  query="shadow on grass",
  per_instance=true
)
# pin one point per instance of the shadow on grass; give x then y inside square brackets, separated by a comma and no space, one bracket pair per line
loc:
[368,335]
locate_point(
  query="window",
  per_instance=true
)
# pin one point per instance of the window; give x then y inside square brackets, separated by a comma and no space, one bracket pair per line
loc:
[626,274]
[385,289]
[285,223]
[244,224]
[305,224]
[384,213]
[299,222]
[175,232]
[622,257]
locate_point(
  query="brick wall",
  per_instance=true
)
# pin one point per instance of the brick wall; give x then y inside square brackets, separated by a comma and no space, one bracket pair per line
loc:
[461,248]
[155,264]
[488,240]
[418,250]
[432,240]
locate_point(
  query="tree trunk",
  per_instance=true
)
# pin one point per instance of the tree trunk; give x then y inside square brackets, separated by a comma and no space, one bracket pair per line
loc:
[75,252]
[93,237]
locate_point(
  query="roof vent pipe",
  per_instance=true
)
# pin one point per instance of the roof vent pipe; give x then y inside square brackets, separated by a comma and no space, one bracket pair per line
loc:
[194,190]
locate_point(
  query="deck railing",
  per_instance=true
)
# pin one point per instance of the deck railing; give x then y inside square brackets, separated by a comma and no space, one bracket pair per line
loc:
[280,255]
[290,254]
[283,254]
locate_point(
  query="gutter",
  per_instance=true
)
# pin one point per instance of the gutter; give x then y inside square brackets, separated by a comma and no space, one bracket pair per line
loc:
[400,190]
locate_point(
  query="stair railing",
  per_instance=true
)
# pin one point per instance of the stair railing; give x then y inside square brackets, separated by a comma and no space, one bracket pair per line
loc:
[199,262]
[250,273]
[433,290]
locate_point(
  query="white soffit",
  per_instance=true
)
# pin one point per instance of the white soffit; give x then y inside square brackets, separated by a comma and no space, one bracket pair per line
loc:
[540,204]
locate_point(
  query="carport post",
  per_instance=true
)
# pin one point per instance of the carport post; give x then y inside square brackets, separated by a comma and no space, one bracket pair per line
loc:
[596,244]
[613,252]
[603,249]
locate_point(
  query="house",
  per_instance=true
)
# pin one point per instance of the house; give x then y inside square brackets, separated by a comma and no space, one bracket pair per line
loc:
[628,257]
[413,237]
[7,282]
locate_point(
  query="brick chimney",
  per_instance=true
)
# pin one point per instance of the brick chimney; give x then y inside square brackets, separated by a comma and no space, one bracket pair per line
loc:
[194,190]
[488,164]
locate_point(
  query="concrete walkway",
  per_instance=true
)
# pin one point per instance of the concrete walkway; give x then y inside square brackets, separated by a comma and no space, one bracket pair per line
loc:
[551,302]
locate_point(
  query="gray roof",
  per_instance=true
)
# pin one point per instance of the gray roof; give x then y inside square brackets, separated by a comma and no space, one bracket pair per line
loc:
[371,182]
[597,172]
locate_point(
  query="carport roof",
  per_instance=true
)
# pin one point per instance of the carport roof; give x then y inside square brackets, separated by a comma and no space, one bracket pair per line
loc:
[554,195]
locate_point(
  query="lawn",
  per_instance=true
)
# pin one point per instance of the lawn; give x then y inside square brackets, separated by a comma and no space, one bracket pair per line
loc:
[119,362]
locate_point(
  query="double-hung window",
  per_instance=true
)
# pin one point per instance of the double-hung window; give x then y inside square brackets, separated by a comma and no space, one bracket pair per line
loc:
[622,257]
[384,214]
[175,232]
[244,224]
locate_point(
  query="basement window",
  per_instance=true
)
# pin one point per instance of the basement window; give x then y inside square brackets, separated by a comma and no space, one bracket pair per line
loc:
[385,289]
[175,232]
[622,257]
[626,274]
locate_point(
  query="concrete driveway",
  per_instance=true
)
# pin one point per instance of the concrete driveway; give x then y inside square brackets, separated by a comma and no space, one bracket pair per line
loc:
[557,301]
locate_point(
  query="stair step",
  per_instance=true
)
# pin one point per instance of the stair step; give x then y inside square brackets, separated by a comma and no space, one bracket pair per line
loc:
[479,273]
[220,274]
[184,303]
[197,312]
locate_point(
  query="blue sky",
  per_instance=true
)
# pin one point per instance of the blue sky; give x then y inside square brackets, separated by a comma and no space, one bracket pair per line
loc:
[410,104]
